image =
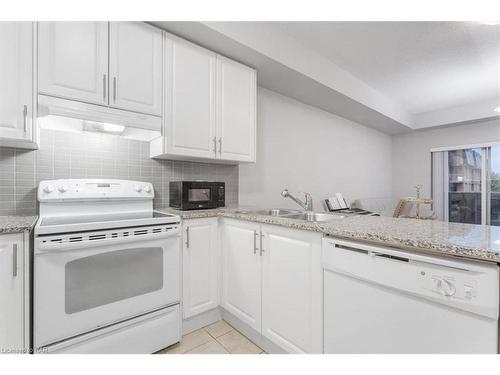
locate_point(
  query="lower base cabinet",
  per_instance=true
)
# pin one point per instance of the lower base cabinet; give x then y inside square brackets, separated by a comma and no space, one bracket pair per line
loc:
[292,285]
[241,271]
[14,293]
[271,280]
[200,263]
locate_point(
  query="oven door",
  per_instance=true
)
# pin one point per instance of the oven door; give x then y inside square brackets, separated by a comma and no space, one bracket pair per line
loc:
[86,285]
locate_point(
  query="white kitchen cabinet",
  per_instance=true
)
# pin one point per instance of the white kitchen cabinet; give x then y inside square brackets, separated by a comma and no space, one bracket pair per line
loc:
[14,293]
[136,67]
[272,281]
[190,99]
[16,80]
[73,60]
[200,259]
[292,289]
[236,110]
[241,271]
[210,106]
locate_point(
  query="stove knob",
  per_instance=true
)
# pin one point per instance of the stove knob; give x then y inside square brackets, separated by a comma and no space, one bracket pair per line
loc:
[446,288]
[138,188]
[48,189]
[63,188]
[147,189]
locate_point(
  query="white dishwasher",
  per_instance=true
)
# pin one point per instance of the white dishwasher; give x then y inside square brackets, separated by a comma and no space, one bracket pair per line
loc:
[381,300]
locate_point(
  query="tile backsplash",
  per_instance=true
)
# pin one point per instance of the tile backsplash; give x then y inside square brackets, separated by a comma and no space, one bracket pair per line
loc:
[89,155]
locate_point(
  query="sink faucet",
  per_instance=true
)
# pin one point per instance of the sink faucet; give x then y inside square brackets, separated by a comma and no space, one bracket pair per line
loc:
[307,205]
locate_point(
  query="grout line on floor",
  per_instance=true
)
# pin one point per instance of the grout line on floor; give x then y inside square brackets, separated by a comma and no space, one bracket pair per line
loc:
[213,338]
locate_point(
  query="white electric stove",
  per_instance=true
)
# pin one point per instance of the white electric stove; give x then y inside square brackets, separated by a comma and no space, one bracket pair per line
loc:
[106,269]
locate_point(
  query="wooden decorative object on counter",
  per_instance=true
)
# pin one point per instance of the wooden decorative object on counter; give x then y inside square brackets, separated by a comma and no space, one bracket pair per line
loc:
[405,206]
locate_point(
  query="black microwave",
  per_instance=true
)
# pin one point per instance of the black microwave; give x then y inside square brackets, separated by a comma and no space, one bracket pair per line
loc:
[197,195]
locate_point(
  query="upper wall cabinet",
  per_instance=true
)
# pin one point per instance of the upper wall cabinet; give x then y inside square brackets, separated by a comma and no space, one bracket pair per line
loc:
[16,82]
[73,60]
[190,99]
[236,88]
[136,67]
[209,106]
[77,62]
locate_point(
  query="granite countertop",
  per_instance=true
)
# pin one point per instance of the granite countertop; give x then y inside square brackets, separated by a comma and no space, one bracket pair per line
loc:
[480,242]
[15,224]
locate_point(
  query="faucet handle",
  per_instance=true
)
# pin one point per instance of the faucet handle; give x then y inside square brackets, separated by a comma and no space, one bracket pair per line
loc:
[306,194]
[285,193]
[309,201]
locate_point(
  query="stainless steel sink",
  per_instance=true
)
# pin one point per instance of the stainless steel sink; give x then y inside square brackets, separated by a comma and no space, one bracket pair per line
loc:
[293,214]
[313,216]
[278,212]
[271,212]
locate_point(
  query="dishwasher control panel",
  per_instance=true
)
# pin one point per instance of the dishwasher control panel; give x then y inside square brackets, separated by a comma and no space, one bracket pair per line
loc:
[448,284]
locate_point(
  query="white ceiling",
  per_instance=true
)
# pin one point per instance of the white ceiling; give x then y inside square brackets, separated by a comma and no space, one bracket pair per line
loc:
[392,76]
[424,66]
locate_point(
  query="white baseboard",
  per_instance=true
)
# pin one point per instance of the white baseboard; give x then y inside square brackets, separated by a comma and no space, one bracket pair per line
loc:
[252,334]
[201,320]
[204,319]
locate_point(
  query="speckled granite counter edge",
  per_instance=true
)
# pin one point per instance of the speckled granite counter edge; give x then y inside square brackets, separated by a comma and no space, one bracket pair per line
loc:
[16,224]
[339,231]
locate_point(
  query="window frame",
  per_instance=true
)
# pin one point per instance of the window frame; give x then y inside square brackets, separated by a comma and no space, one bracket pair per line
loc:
[485,177]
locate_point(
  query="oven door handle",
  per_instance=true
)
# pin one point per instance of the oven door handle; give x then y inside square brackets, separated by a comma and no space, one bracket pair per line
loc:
[52,247]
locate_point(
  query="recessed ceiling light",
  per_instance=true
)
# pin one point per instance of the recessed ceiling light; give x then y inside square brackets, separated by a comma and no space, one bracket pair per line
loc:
[490,23]
[497,109]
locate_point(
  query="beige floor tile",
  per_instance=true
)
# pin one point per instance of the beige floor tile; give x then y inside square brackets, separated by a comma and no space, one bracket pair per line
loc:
[218,328]
[211,347]
[189,342]
[236,343]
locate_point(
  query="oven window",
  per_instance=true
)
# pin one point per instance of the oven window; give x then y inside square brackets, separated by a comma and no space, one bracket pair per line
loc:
[199,195]
[110,277]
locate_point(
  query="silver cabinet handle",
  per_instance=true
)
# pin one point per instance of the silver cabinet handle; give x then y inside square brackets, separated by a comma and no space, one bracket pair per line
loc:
[104,84]
[261,248]
[114,89]
[255,242]
[25,117]
[220,146]
[187,237]
[14,260]
[215,146]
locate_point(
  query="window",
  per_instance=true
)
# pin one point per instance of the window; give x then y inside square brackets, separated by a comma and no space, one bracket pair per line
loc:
[466,185]
[494,184]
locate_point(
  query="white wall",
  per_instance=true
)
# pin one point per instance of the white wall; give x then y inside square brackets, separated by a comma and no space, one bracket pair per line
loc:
[412,156]
[306,149]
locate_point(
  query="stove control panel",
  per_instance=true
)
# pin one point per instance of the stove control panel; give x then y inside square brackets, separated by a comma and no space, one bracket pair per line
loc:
[92,189]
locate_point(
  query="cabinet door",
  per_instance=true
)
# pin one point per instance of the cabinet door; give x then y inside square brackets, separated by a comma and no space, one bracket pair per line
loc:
[241,271]
[190,99]
[73,60]
[292,289]
[236,108]
[200,266]
[16,80]
[12,316]
[136,67]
